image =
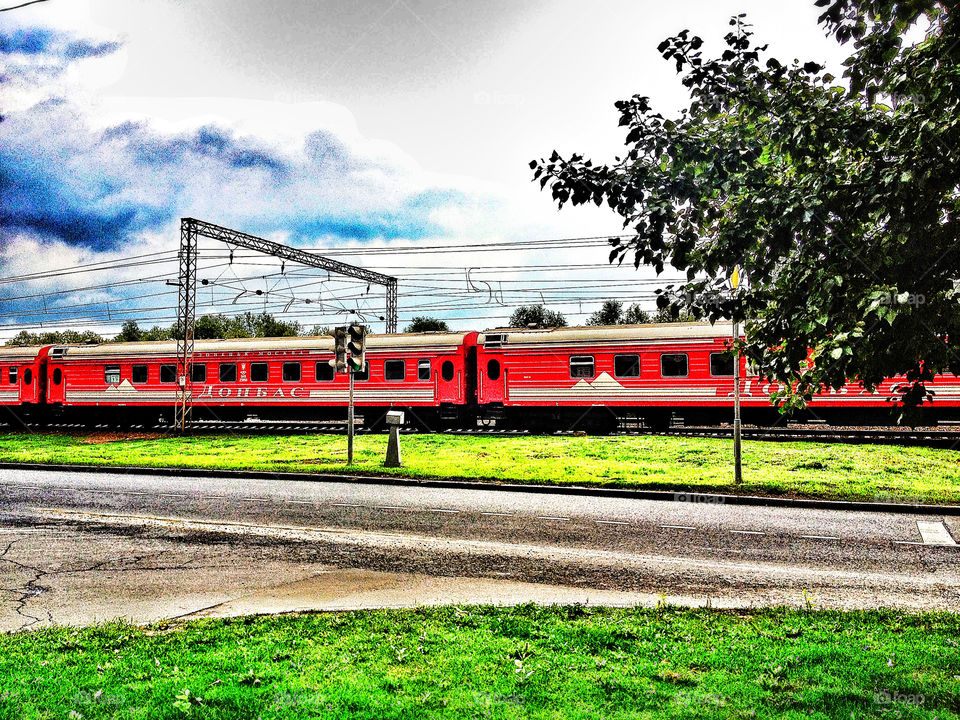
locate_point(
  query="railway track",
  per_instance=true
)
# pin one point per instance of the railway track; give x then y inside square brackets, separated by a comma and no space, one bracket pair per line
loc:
[924,437]
[937,437]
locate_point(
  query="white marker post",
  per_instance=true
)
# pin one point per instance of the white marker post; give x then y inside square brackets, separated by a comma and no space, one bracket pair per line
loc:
[394,420]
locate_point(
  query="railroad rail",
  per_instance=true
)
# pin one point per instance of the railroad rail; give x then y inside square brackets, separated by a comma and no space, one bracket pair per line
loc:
[938,437]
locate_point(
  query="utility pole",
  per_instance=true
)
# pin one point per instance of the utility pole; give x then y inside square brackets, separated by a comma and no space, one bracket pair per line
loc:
[737,470]
[190,230]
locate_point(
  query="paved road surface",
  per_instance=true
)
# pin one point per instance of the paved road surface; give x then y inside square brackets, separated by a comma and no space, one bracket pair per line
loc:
[89,532]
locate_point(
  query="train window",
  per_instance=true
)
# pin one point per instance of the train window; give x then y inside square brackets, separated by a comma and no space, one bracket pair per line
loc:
[3,376]
[423,370]
[581,366]
[138,374]
[259,372]
[111,375]
[291,372]
[363,374]
[721,364]
[446,370]
[324,372]
[674,365]
[27,376]
[168,373]
[228,372]
[493,369]
[626,366]
[198,373]
[13,375]
[57,376]
[394,370]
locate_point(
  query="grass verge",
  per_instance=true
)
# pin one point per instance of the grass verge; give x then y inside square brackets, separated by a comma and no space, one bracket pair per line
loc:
[817,470]
[482,662]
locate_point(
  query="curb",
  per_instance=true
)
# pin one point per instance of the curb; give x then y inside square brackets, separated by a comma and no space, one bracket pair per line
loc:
[691,496]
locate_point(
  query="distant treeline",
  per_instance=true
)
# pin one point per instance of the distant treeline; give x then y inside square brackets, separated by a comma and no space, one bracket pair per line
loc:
[208,327]
[249,325]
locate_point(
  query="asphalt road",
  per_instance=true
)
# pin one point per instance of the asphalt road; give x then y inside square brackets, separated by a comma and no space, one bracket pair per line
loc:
[690,551]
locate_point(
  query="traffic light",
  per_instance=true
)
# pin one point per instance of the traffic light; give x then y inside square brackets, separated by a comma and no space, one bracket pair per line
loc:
[339,361]
[357,345]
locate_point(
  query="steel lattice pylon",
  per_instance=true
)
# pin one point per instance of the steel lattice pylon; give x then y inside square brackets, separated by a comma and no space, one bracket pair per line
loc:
[190,230]
[186,319]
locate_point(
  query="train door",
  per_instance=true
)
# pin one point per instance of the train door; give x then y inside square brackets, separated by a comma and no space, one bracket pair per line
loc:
[449,380]
[28,384]
[493,379]
[56,382]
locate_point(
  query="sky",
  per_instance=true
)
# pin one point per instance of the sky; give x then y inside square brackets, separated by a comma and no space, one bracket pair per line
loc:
[392,134]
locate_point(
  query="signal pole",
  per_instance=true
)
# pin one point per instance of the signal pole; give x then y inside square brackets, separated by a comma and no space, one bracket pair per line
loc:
[350,421]
[737,470]
[356,337]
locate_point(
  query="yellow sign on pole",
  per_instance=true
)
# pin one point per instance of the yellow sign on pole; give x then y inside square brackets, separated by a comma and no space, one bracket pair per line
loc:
[735,278]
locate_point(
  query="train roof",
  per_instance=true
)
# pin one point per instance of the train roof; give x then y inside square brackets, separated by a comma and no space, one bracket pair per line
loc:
[168,348]
[10,353]
[600,333]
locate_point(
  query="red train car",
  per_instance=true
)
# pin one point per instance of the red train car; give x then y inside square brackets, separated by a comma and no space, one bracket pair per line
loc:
[429,374]
[583,377]
[591,377]
[23,380]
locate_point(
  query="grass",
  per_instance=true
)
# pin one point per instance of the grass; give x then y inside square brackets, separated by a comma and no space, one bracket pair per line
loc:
[483,662]
[818,470]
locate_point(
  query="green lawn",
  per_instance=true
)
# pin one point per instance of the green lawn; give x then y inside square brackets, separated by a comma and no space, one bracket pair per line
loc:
[848,472]
[482,662]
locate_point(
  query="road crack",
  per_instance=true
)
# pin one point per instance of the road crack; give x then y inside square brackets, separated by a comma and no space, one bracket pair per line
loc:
[30,589]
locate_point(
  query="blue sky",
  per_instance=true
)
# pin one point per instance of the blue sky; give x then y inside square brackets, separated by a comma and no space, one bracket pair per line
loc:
[333,125]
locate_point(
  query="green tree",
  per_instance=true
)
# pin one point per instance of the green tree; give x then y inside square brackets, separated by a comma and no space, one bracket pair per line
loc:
[57,337]
[129,332]
[838,199]
[536,316]
[24,339]
[635,315]
[158,333]
[611,313]
[672,314]
[210,327]
[423,323]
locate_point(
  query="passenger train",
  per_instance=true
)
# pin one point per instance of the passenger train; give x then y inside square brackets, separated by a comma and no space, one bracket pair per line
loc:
[588,378]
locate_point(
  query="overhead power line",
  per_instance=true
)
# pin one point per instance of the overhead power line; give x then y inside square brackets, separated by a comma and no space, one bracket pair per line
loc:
[21,5]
